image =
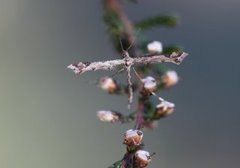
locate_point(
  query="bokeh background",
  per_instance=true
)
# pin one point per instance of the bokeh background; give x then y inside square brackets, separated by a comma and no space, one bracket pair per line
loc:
[47,114]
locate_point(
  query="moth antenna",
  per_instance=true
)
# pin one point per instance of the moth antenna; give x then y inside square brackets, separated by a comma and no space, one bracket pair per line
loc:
[139,29]
[120,40]
[130,45]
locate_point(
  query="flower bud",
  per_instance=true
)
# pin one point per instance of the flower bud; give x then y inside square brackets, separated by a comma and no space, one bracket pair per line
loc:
[170,78]
[108,116]
[149,83]
[108,84]
[155,47]
[165,108]
[133,137]
[142,158]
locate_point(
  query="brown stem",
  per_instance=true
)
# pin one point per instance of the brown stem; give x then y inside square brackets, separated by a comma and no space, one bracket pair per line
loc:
[116,6]
[139,119]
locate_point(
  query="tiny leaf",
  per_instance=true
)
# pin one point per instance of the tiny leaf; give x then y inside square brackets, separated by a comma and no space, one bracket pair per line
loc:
[117,164]
[169,21]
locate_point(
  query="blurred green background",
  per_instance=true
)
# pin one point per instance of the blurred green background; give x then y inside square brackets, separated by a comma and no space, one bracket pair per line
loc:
[47,114]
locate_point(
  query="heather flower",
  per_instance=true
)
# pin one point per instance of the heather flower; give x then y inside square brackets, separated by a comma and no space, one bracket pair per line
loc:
[170,78]
[108,116]
[149,83]
[165,108]
[142,158]
[133,137]
[108,84]
[155,47]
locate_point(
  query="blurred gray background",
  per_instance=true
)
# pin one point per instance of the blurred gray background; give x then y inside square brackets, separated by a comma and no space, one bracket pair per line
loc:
[47,114]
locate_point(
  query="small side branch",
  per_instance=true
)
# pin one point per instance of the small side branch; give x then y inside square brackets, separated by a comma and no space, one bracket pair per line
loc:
[82,67]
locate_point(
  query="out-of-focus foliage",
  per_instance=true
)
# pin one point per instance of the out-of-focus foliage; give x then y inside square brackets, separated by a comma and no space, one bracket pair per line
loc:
[169,21]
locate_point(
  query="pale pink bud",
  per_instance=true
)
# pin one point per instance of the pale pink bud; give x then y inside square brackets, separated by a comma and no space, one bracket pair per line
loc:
[108,84]
[165,108]
[149,83]
[142,158]
[108,116]
[155,47]
[170,78]
[133,137]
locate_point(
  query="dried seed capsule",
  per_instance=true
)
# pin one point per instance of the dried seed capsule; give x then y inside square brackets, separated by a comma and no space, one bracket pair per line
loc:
[108,116]
[149,83]
[142,158]
[155,47]
[170,78]
[164,108]
[108,84]
[133,137]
